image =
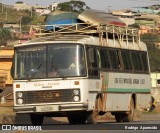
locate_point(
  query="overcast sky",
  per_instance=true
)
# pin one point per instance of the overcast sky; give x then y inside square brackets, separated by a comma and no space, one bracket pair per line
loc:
[95,4]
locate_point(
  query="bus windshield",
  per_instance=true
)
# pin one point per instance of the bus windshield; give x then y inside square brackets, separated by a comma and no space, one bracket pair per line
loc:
[49,61]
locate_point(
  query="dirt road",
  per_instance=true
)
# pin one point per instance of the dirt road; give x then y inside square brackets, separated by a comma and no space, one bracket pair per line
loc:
[7,116]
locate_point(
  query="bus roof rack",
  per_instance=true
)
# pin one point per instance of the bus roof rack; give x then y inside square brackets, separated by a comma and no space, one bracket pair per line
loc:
[107,31]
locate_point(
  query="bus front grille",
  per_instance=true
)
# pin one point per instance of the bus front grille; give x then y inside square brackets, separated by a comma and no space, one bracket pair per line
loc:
[48,96]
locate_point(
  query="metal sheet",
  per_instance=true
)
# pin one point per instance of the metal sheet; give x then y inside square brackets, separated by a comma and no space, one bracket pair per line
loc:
[96,17]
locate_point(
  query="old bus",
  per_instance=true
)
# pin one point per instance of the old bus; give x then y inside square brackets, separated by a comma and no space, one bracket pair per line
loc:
[81,76]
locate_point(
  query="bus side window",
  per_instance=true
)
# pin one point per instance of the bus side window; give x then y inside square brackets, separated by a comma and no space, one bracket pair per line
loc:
[144,61]
[92,58]
[136,60]
[115,60]
[104,59]
[126,60]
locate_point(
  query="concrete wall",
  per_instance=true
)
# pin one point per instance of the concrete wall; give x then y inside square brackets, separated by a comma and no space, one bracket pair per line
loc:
[154,77]
[6,63]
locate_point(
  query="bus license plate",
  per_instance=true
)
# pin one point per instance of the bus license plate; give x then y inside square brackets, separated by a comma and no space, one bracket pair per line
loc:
[46,108]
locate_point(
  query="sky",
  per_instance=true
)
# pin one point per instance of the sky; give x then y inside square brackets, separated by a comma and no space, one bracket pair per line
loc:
[94,4]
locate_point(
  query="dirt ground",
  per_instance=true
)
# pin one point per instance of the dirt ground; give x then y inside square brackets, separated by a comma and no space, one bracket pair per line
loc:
[7,116]
[156,109]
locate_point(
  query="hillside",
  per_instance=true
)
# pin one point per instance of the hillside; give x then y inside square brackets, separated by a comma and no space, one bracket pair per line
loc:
[10,15]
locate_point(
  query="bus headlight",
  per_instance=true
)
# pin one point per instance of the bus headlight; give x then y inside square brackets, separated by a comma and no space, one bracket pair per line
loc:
[76,98]
[75,92]
[19,94]
[19,101]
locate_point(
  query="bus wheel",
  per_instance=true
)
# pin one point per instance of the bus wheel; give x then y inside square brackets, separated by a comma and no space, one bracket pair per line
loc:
[119,117]
[82,119]
[77,119]
[72,119]
[36,119]
[130,116]
[92,117]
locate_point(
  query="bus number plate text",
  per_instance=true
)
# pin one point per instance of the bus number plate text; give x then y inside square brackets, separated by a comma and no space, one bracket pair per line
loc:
[46,108]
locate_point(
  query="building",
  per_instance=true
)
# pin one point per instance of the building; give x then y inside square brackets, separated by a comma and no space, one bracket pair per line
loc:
[153,9]
[20,5]
[53,7]
[6,55]
[42,11]
[143,29]
[155,79]
[155,91]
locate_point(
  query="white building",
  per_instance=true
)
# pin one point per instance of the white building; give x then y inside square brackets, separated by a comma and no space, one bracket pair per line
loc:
[20,5]
[53,7]
[155,78]
[155,91]
[42,11]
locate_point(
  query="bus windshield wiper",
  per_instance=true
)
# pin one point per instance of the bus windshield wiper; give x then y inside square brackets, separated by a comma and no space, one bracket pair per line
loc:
[59,72]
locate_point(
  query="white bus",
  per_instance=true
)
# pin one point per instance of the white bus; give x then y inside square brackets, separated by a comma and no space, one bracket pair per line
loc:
[81,77]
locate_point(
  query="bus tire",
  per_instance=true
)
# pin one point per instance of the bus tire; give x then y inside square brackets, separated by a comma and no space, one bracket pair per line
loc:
[130,116]
[92,117]
[36,119]
[119,117]
[77,119]
[82,120]
[72,119]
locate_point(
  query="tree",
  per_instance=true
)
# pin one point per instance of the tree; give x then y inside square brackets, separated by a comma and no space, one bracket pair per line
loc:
[26,20]
[5,36]
[73,6]
[153,50]
[134,26]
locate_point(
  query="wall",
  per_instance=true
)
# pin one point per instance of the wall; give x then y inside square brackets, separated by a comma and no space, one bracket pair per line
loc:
[6,55]
[155,91]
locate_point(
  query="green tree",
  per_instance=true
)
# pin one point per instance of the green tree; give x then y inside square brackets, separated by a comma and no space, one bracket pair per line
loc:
[151,41]
[73,6]
[134,25]
[5,36]
[26,20]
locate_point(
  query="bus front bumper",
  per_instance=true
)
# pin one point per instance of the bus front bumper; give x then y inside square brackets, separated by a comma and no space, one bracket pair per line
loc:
[49,108]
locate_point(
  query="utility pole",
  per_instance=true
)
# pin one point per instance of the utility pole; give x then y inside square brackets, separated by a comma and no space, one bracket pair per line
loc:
[20,24]
[31,11]
[109,9]
[2,7]
[6,14]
